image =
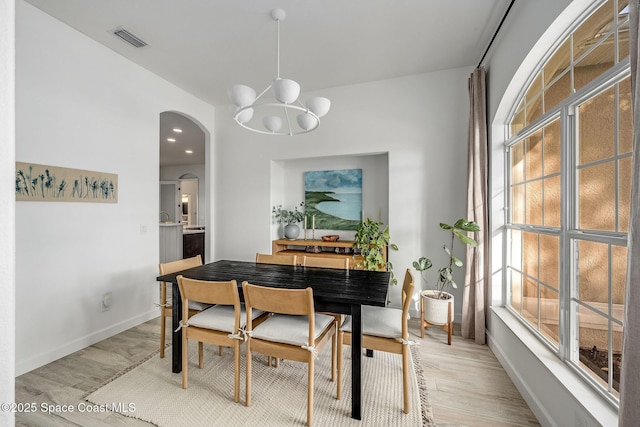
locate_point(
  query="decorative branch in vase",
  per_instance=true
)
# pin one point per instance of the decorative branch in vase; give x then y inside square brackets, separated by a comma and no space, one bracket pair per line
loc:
[290,218]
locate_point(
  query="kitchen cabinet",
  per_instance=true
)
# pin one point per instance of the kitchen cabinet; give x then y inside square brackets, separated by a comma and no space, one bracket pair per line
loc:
[193,244]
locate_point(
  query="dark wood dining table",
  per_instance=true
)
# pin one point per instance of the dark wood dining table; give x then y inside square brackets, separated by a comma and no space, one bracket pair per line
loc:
[334,290]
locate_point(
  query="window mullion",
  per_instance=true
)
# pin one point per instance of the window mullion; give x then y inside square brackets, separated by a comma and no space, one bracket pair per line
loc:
[568,135]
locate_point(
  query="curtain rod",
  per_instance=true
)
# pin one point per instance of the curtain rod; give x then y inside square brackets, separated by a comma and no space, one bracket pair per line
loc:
[496,33]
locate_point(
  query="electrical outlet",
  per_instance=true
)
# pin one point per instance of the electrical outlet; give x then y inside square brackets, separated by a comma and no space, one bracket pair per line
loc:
[106,301]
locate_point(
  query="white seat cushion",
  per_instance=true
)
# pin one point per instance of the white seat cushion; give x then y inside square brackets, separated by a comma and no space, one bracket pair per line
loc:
[383,322]
[221,318]
[193,305]
[289,329]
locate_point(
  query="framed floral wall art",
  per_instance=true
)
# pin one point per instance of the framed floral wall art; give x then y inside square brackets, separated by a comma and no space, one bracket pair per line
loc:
[52,183]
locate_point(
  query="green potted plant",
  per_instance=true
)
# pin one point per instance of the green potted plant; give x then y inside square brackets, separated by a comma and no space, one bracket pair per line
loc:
[437,300]
[370,240]
[290,218]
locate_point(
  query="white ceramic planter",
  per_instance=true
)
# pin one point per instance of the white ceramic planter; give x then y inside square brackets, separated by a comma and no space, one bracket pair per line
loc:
[436,311]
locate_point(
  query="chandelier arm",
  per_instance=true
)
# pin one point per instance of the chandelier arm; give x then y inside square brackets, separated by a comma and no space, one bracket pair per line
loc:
[302,105]
[261,93]
[286,114]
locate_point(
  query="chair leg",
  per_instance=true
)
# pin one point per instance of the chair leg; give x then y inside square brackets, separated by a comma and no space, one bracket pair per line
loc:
[185,359]
[236,383]
[339,351]
[200,355]
[247,399]
[334,345]
[219,350]
[310,392]
[405,377]
[163,332]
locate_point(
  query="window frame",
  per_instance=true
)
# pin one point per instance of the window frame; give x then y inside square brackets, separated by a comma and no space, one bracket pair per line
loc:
[568,233]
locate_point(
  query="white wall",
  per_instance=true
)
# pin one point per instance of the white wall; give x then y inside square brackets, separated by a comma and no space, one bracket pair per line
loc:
[554,393]
[7,205]
[80,105]
[419,120]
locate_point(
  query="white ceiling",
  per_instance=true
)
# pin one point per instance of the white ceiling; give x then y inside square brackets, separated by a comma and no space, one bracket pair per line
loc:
[205,46]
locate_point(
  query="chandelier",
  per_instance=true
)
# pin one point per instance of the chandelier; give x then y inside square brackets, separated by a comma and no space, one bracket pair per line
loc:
[278,111]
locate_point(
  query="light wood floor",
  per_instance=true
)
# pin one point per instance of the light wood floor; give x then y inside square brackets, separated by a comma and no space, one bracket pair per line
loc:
[466,384]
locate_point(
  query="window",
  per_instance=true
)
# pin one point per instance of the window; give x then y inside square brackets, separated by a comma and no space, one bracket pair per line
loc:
[569,178]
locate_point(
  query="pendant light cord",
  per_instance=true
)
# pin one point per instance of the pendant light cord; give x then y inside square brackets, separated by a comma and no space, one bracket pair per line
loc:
[278,50]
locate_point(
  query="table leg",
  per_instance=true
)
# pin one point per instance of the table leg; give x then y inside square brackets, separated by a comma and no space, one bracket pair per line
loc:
[356,362]
[176,337]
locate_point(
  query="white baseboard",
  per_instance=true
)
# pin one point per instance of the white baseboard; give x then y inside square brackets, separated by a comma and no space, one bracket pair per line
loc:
[26,365]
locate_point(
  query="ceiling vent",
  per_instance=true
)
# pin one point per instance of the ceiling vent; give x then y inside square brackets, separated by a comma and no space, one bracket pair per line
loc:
[130,38]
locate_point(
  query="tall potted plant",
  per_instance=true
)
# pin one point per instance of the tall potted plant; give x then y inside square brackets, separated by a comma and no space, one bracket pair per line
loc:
[290,218]
[370,240]
[437,300]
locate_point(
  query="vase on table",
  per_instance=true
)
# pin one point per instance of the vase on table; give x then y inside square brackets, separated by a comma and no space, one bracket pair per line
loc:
[291,231]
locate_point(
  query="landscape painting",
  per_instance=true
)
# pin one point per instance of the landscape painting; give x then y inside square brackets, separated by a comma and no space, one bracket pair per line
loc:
[334,197]
[52,183]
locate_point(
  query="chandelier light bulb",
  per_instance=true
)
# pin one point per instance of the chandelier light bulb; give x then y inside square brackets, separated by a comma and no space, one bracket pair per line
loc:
[306,121]
[286,90]
[272,123]
[319,105]
[241,95]
[245,115]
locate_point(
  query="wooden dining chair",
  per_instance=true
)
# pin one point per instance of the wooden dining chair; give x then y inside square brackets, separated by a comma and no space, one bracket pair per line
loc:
[165,293]
[294,331]
[221,324]
[325,262]
[280,260]
[383,329]
[276,259]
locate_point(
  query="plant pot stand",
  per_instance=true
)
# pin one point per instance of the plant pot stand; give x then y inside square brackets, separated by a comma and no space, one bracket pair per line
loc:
[448,326]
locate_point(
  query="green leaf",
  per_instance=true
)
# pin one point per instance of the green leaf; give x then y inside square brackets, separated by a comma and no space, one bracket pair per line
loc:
[453,284]
[393,246]
[447,250]
[456,261]
[445,226]
[465,239]
[422,264]
[470,226]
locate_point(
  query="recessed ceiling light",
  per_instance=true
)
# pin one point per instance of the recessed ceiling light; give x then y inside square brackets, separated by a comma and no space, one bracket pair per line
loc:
[177,130]
[171,139]
[189,151]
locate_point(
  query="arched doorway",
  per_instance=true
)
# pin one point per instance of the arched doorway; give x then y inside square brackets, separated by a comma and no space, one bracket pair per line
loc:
[183,182]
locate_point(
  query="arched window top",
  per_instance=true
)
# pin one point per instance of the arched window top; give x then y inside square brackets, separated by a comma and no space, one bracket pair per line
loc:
[597,44]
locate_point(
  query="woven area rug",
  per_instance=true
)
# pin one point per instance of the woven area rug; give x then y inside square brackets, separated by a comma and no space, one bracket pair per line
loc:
[150,392]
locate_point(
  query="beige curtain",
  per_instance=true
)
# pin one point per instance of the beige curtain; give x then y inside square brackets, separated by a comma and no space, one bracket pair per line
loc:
[629,414]
[474,301]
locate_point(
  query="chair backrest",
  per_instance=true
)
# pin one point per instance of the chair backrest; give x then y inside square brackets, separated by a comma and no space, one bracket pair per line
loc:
[276,259]
[181,264]
[208,292]
[407,294]
[325,262]
[280,301]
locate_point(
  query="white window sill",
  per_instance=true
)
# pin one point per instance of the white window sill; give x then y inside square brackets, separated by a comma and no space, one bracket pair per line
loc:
[592,403]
